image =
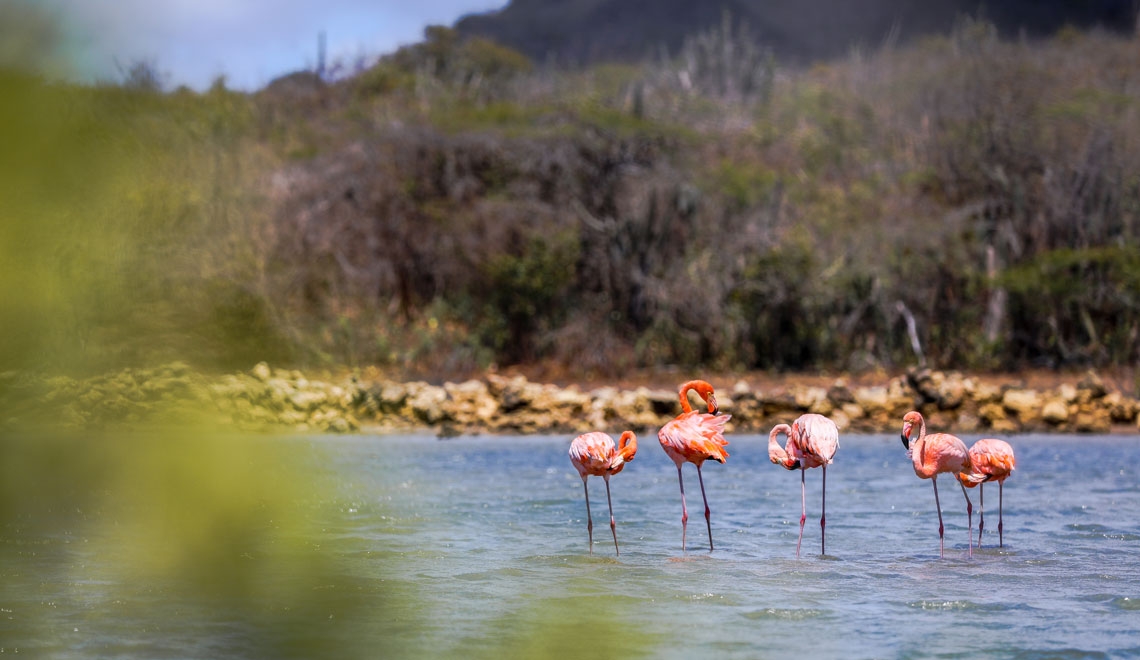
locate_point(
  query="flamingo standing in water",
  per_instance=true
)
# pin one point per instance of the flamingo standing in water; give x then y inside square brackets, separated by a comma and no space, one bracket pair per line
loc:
[932,455]
[990,460]
[594,454]
[695,437]
[812,441]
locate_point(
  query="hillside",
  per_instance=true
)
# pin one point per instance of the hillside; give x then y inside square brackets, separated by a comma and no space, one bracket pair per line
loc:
[583,31]
[964,201]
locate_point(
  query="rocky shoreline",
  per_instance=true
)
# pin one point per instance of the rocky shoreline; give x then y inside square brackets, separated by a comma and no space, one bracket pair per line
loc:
[266,399]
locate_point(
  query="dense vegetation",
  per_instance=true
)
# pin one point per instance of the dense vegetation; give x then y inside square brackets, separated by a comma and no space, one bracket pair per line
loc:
[965,200]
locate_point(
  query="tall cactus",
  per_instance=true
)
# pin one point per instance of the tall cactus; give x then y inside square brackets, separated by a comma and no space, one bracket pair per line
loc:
[726,62]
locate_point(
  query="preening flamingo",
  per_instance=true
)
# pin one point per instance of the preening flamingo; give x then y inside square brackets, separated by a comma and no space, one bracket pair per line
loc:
[932,455]
[594,454]
[812,441]
[990,460]
[695,437]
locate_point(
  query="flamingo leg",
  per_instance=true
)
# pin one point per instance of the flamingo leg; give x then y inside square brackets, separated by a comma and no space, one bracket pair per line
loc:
[941,530]
[708,522]
[969,517]
[684,511]
[823,517]
[981,511]
[613,525]
[1001,540]
[589,518]
[803,512]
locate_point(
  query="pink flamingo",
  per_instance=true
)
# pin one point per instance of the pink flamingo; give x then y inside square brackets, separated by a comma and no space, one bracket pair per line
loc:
[933,454]
[695,437]
[812,441]
[593,454]
[990,460]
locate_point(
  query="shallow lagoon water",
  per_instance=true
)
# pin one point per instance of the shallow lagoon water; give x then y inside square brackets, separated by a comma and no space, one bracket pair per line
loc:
[478,546]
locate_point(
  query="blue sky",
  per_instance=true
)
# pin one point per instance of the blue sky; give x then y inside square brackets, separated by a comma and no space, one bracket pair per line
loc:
[249,41]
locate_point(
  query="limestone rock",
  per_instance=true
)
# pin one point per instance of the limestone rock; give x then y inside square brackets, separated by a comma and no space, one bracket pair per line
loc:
[968,422]
[852,410]
[390,397]
[781,405]
[995,417]
[427,402]
[985,393]
[1092,420]
[813,399]
[1055,411]
[665,403]
[512,393]
[1026,404]
[1120,408]
[839,393]
[471,403]
[952,392]
[900,397]
[1091,387]
[308,400]
[872,399]
[261,372]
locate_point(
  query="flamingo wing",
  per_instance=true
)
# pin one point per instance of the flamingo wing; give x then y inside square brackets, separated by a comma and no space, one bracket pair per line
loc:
[990,459]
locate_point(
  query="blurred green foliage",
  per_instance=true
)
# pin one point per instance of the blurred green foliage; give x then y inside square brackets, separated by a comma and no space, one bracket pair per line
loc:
[130,227]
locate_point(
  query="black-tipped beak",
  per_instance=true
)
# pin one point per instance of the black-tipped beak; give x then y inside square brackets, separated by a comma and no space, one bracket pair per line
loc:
[795,466]
[713,405]
[905,440]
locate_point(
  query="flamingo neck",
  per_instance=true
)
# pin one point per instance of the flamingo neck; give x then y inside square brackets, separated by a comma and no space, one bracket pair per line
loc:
[776,453]
[918,449]
[627,445]
[773,442]
[685,406]
[703,390]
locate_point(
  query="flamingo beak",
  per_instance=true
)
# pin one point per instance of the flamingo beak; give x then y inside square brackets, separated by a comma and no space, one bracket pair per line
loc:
[712,405]
[906,436]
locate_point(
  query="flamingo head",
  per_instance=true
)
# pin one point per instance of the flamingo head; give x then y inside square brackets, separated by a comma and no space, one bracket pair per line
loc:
[627,449]
[910,420]
[778,454]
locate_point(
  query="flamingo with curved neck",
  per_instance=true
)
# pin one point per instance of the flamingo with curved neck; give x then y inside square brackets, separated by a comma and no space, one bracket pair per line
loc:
[812,442]
[703,389]
[594,454]
[694,437]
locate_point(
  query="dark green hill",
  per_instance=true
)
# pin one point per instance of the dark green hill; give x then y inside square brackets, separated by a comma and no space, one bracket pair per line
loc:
[583,31]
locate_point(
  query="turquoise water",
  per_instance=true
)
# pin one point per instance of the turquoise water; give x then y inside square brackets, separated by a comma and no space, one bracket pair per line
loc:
[477,546]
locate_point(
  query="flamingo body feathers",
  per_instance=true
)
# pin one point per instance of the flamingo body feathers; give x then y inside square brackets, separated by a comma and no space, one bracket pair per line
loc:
[990,460]
[695,437]
[594,453]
